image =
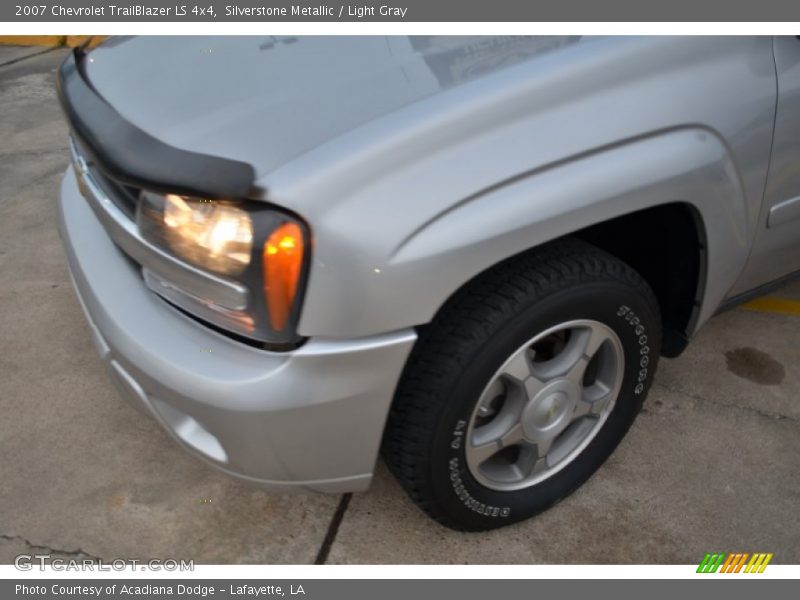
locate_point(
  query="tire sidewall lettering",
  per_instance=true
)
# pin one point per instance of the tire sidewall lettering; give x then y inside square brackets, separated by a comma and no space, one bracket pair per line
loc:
[631,319]
[457,478]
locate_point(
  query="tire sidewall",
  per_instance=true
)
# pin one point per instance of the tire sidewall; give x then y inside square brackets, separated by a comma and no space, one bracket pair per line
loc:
[622,308]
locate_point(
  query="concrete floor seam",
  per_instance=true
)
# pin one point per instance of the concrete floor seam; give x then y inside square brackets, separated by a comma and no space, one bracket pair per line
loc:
[76,553]
[35,153]
[333,529]
[762,413]
[14,61]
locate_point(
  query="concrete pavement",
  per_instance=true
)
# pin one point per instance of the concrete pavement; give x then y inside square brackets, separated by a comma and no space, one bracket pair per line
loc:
[711,464]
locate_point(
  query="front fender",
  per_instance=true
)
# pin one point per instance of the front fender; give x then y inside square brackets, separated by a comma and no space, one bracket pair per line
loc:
[689,164]
[407,208]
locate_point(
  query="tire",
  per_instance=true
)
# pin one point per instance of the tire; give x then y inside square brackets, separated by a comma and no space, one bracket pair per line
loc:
[476,349]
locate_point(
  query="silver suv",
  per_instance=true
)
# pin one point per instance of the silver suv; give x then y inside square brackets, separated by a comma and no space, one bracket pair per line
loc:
[467,253]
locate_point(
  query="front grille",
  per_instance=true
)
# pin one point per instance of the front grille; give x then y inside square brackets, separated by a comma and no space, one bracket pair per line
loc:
[124,197]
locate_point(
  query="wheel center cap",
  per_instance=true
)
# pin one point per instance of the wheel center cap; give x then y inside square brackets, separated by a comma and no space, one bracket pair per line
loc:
[546,414]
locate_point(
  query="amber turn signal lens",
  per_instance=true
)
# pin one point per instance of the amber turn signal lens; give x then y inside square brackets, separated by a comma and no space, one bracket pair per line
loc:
[282,263]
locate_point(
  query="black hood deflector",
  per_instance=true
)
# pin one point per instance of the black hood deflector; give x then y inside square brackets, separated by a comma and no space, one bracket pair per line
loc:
[134,157]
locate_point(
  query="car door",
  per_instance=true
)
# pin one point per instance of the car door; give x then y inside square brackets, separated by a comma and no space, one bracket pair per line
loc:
[776,250]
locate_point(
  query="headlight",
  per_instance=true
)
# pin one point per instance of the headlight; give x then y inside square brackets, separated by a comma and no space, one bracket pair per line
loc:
[245,243]
[214,235]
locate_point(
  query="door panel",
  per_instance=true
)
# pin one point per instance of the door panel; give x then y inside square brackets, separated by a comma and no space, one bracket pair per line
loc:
[776,251]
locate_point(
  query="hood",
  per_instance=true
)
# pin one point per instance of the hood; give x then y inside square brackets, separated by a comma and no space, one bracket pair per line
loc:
[267,100]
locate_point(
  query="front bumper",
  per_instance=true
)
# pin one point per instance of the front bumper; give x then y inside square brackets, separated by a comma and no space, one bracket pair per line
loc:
[312,418]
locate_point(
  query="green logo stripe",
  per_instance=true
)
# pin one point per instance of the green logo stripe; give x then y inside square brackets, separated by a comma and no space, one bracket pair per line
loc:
[703,563]
[711,562]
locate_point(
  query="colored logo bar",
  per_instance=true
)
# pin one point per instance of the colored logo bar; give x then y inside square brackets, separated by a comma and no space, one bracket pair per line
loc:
[735,562]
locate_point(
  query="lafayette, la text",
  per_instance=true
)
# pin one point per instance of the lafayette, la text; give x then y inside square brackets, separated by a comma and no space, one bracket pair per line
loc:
[148,589]
[359,11]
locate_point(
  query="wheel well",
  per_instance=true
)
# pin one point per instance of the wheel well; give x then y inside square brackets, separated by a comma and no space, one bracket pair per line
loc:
[666,245]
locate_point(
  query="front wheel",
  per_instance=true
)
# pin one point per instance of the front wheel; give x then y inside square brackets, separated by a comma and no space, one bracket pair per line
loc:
[523,385]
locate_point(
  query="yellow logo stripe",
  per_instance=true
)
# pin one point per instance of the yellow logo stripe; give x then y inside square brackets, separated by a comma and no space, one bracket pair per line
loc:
[752,562]
[765,563]
[758,563]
